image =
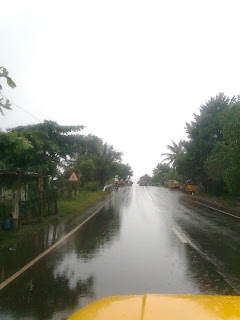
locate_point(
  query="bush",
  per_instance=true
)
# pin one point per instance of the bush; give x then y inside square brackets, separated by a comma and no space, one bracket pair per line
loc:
[91,186]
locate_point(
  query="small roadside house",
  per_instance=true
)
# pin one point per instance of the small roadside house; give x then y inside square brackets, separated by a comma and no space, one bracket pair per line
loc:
[15,192]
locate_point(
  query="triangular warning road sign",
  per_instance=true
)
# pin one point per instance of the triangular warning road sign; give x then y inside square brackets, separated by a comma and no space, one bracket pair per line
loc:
[73,177]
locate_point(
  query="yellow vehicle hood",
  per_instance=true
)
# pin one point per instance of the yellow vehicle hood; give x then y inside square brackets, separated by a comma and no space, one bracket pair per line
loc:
[162,307]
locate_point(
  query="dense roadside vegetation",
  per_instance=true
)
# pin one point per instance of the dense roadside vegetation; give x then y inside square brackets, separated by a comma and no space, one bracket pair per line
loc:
[54,152]
[37,160]
[211,154]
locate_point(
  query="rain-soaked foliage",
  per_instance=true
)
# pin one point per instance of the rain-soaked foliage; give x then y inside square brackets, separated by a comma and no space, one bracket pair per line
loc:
[210,156]
[46,147]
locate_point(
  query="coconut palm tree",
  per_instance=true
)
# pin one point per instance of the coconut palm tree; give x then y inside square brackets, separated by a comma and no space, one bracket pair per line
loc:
[176,151]
[111,154]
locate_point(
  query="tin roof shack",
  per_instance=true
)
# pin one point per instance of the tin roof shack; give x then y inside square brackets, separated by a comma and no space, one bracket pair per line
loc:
[19,196]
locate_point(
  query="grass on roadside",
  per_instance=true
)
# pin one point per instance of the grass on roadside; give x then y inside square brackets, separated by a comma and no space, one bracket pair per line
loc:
[232,202]
[83,200]
[66,208]
[227,201]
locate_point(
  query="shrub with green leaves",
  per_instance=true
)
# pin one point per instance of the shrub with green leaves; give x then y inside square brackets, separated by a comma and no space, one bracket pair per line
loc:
[91,186]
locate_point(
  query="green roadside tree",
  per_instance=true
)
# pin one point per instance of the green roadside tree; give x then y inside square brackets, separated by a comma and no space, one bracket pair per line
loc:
[106,164]
[186,165]
[124,171]
[223,163]
[176,150]
[203,134]
[51,144]
[164,172]
[85,168]
[98,162]
[12,145]
[5,103]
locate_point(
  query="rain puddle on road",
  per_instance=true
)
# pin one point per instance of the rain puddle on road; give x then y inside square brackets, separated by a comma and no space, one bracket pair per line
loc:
[127,248]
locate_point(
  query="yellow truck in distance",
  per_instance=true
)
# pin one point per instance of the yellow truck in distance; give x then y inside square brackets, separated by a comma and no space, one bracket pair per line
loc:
[190,187]
[173,184]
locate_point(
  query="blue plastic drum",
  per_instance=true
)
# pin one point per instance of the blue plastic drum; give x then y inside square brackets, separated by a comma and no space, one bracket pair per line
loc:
[7,224]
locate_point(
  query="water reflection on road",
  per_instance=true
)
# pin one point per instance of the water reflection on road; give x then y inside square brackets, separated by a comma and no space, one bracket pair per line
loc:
[127,248]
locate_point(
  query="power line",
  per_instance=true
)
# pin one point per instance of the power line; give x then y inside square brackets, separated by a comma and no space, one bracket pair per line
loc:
[21,108]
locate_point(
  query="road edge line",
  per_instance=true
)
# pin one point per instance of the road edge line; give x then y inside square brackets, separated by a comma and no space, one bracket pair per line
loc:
[31,263]
[227,213]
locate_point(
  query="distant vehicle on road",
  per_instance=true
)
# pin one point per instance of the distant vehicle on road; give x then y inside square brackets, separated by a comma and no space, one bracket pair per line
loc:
[143,181]
[189,187]
[173,184]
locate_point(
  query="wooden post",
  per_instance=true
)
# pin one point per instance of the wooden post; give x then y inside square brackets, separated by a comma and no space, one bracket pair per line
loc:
[45,196]
[35,198]
[19,200]
[55,196]
[40,196]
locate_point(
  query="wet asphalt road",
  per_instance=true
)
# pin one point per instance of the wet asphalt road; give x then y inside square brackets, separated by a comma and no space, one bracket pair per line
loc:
[145,240]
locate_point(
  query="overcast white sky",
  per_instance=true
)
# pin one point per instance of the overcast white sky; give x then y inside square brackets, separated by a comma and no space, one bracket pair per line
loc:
[132,72]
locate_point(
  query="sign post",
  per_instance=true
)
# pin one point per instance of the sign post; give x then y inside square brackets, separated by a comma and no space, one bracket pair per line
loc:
[73,177]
